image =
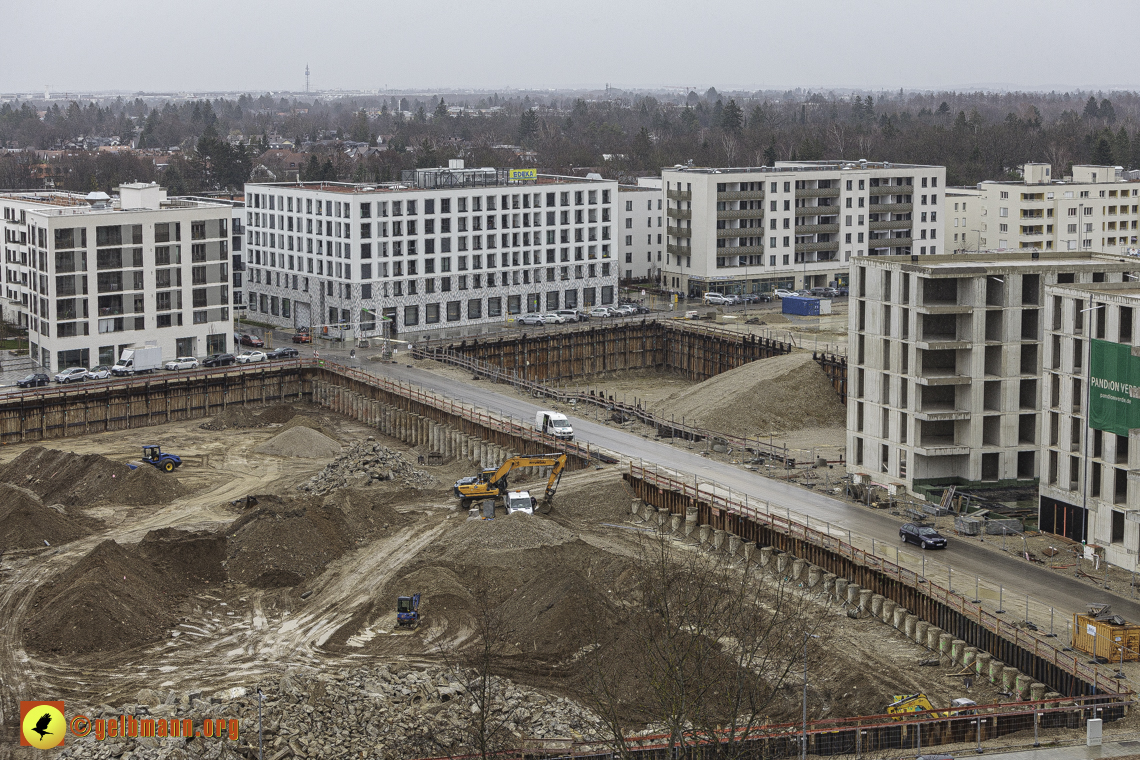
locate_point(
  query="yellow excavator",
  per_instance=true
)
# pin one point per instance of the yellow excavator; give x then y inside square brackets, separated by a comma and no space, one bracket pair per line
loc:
[907,703]
[491,484]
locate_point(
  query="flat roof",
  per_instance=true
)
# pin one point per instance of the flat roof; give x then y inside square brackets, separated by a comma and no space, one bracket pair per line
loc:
[59,203]
[951,264]
[1124,289]
[799,166]
[434,179]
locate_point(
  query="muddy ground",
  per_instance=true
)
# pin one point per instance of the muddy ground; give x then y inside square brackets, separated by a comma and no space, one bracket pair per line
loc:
[203,593]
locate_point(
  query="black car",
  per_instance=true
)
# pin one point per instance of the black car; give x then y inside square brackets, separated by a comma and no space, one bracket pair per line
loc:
[33,381]
[218,360]
[924,536]
[841,291]
[285,352]
[764,297]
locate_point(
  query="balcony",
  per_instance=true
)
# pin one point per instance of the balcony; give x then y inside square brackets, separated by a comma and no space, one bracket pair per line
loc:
[678,250]
[740,250]
[744,213]
[685,232]
[735,232]
[818,192]
[890,208]
[679,213]
[679,195]
[820,210]
[811,229]
[741,195]
[894,224]
[831,245]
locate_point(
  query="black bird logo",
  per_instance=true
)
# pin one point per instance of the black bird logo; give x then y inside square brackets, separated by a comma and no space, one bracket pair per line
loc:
[42,724]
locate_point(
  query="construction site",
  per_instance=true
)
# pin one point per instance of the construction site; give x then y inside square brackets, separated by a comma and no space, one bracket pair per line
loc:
[312,544]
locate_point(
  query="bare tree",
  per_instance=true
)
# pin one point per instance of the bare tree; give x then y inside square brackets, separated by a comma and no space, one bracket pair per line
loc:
[703,652]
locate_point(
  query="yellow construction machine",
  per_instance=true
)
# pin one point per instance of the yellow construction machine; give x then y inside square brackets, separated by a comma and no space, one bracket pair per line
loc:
[491,484]
[909,703]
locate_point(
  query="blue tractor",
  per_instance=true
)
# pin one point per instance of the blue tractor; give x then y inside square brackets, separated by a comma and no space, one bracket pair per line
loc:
[153,456]
[408,610]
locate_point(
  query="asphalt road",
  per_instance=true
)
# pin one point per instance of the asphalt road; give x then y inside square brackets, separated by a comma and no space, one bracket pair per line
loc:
[966,557]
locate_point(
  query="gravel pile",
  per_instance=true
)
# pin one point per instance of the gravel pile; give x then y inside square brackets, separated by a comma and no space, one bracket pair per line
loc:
[504,533]
[779,394]
[369,712]
[284,541]
[364,464]
[26,523]
[62,477]
[300,441]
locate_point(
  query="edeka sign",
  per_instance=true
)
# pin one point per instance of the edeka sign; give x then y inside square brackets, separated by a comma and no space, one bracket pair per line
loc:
[1115,389]
[521,175]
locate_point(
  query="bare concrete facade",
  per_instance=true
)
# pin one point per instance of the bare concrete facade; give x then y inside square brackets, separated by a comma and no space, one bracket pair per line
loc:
[1090,479]
[945,363]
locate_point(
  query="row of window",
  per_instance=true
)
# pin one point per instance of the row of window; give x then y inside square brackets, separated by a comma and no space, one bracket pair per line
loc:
[411,206]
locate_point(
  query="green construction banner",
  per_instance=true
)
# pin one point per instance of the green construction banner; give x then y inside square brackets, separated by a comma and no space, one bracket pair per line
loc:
[1115,388]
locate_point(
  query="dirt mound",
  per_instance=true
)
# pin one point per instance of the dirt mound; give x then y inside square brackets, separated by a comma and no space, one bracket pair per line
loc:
[277,414]
[300,441]
[25,523]
[60,477]
[368,510]
[473,541]
[111,600]
[234,417]
[187,557]
[300,420]
[591,497]
[296,536]
[779,394]
[145,486]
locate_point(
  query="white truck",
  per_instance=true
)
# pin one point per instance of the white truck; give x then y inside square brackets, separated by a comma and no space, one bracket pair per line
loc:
[555,424]
[136,361]
[519,501]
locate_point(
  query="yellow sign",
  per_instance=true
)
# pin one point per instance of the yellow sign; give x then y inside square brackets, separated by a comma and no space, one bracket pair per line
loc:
[521,175]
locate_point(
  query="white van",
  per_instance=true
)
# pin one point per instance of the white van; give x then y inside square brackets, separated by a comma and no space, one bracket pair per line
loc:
[519,501]
[555,424]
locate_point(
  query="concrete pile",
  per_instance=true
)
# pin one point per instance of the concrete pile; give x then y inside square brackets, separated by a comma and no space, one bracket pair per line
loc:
[364,464]
[363,712]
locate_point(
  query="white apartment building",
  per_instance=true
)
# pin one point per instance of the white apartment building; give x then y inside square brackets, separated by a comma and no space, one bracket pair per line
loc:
[794,225]
[1094,209]
[945,364]
[1090,480]
[442,250]
[91,275]
[640,232]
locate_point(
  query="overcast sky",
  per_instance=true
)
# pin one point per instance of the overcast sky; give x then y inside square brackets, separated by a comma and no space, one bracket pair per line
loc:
[211,45]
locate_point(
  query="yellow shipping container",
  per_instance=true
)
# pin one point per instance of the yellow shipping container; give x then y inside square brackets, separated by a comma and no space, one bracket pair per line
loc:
[1106,638]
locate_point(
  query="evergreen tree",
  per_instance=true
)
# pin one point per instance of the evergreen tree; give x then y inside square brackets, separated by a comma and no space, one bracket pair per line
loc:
[1102,153]
[1107,112]
[732,118]
[1091,109]
[528,125]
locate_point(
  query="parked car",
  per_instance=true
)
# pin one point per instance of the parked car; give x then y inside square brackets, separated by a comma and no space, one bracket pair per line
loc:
[285,352]
[783,293]
[569,315]
[33,381]
[599,311]
[218,360]
[71,375]
[842,291]
[716,299]
[624,310]
[249,357]
[102,372]
[531,319]
[252,340]
[553,318]
[182,362]
[764,297]
[927,538]
[303,337]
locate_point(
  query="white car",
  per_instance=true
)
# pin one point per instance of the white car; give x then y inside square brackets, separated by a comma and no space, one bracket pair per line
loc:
[625,311]
[182,362]
[599,311]
[783,293]
[102,372]
[716,298]
[71,375]
[554,319]
[569,315]
[248,357]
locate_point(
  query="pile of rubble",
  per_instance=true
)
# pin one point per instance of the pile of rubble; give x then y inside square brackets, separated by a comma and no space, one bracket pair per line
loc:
[364,464]
[363,712]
